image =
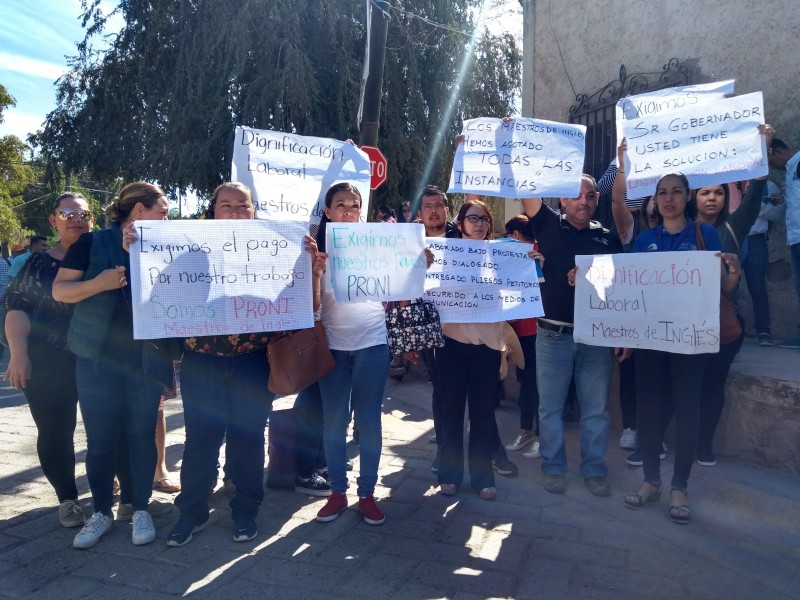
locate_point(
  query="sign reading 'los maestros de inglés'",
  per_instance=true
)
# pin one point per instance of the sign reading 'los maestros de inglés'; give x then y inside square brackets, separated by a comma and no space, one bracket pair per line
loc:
[657,300]
[472,281]
[219,277]
[520,158]
[710,144]
[289,174]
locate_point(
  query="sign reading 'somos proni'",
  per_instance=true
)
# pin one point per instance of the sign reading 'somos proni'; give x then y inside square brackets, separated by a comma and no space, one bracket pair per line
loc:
[709,143]
[661,301]
[197,278]
[290,174]
[473,281]
[520,158]
[375,261]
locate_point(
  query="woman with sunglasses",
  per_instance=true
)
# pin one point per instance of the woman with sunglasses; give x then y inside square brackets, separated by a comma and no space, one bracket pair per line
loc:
[119,394]
[41,365]
[469,364]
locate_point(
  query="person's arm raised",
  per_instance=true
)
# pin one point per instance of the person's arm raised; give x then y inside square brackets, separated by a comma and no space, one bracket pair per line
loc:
[623,219]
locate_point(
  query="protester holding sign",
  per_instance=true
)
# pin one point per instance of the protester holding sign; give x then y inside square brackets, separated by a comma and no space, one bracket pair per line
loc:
[36,329]
[356,335]
[712,207]
[225,395]
[655,368]
[118,392]
[558,356]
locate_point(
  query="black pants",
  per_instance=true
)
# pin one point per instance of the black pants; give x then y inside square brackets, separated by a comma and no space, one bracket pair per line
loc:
[627,392]
[713,398]
[429,357]
[53,401]
[655,370]
[528,390]
[308,431]
[469,378]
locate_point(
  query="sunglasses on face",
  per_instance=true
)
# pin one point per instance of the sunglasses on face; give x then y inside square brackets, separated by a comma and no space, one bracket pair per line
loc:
[474,219]
[67,214]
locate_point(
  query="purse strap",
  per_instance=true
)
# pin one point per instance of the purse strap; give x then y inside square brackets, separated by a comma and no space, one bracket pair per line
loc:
[733,235]
[700,240]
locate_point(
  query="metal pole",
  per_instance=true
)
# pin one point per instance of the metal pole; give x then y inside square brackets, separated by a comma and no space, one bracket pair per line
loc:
[370,120]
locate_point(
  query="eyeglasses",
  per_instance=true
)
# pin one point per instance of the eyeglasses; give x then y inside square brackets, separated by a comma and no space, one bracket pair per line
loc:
[474,219]
[67,214]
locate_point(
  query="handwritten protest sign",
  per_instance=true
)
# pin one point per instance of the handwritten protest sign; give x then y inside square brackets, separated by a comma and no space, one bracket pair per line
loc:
[670,99]
[192,278]
[289,174]
[661,300]
[375,261]
[710,144]
[473,281]
[522,158]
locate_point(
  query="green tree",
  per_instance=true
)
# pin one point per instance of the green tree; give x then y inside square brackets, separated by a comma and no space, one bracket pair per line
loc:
[15,175]
[162,102]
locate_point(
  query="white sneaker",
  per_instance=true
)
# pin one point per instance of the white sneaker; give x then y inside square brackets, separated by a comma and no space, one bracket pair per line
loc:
[144,531]
[97,526]
[628,439]
[533,451]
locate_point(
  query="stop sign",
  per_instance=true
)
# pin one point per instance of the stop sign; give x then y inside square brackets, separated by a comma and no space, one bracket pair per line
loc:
[377,166]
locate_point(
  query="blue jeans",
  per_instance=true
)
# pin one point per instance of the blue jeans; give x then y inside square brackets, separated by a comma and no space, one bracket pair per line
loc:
[224,397]
[755,269]
[358,378]
[118,400]
[557,356]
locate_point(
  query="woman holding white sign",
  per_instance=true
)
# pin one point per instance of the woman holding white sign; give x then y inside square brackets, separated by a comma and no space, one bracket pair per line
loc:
[118,392]
[675,232]
[356,335]
[712,204]
[469,364]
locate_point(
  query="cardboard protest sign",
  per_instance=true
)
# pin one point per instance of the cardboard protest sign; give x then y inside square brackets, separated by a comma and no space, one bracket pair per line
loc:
[375,261]
[670,99]
[474,281]
[657,300]
[289,174]
[219,277]
[710,144]
[522,158]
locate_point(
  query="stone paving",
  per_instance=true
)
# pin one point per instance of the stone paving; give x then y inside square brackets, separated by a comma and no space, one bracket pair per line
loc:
[744,541]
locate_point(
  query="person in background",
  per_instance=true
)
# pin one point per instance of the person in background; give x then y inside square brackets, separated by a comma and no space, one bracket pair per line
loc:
[41,364]
[518,228]
[38,243]
[386,215]
[405,213]
[756,261]
[782,157]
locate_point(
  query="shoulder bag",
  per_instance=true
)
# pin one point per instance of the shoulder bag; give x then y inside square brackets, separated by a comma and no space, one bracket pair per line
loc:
[413,327]
[729,327]
[297,359]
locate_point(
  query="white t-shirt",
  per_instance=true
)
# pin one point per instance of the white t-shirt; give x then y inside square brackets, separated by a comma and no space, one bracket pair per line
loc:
[351,327]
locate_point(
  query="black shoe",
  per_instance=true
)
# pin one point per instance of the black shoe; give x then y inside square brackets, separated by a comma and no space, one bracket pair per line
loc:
[503,466]
[706,458]
[635,458]
[244,530]
[184,529]
[312,486]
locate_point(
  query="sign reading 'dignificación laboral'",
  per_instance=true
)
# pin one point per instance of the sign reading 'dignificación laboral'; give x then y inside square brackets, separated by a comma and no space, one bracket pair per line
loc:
[376,261]
[657,300]
[669,100]
[289,174]
[472,281]
[522,158]
[193,278]
[710,144]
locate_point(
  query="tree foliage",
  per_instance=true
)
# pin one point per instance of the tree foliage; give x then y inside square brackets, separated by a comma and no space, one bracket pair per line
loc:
[162,102]
[15,175]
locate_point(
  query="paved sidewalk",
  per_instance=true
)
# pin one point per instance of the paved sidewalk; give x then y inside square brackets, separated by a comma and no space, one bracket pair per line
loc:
[744,541]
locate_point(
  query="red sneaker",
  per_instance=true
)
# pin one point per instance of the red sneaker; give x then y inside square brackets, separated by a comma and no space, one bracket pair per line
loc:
[369,508]
[336,504]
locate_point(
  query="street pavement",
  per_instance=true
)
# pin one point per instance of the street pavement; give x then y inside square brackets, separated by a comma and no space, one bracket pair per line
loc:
[743,542]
